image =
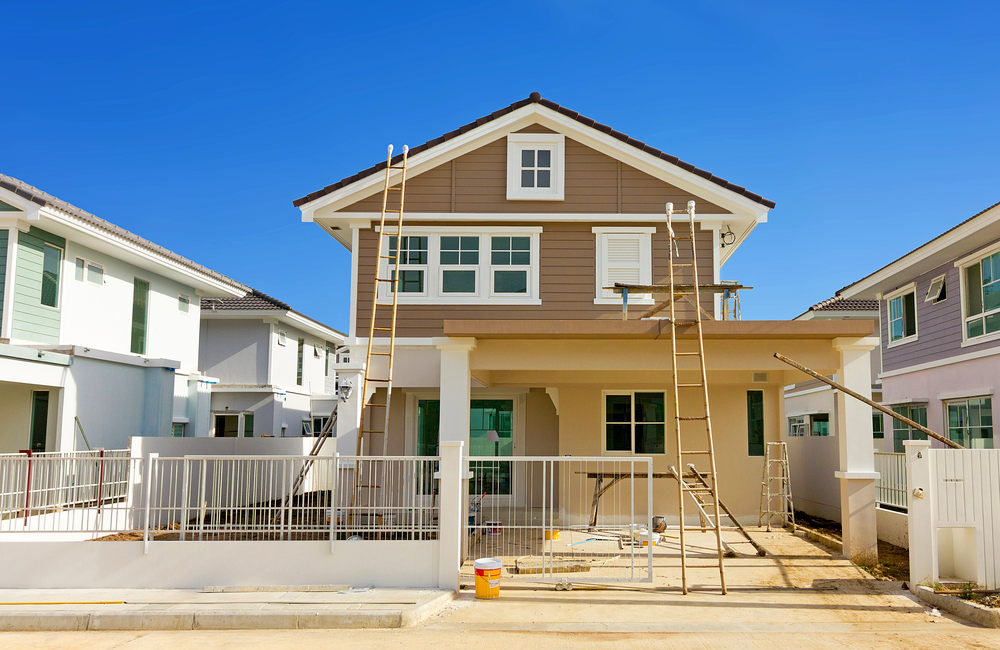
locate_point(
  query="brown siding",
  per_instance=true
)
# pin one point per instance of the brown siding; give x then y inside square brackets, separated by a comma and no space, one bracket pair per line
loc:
[567,282]
[594,183]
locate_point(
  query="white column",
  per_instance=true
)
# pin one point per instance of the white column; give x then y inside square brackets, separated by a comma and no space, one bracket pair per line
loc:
[920,508]
[65,427]
[857,461]
[455,389]
[450,522]
[349,411]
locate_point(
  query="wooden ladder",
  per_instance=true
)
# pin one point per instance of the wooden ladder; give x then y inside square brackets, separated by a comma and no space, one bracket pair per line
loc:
[705,491]
[776,471]
[372,411]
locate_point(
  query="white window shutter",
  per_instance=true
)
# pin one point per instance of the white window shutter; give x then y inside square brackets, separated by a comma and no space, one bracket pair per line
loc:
[623,260]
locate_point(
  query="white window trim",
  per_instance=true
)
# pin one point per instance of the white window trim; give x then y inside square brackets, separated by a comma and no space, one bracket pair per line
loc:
[946,402]
[181,299]
[282,337]
[802,420]
[962,265]
[518,141]
[475,268]
[389,268]
[604,422]
[433,270]
[645,234]
[902,291]
[937,297]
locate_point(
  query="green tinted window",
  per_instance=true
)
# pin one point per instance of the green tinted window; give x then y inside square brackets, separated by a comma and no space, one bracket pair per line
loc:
[755,422]
[140,314]
[51,256]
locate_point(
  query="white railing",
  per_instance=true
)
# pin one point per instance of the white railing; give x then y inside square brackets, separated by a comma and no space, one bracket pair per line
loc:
[562,517]
[73,493]
[211,498]
[890,487]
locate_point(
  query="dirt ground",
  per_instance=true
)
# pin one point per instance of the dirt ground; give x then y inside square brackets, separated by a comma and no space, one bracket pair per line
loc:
[893,561]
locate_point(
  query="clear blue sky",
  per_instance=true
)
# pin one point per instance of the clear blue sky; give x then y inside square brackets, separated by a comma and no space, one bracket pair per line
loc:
[873,125]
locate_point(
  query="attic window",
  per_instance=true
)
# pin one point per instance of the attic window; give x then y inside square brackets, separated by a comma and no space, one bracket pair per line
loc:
[535,166]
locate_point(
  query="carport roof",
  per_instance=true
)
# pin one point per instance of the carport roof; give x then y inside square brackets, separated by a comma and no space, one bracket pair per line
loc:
[655,329]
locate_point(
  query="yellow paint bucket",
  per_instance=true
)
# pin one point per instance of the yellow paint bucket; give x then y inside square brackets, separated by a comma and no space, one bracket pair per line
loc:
[551,534]
[487,577]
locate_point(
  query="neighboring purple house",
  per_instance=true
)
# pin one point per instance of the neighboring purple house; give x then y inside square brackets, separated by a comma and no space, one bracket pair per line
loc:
[939,317]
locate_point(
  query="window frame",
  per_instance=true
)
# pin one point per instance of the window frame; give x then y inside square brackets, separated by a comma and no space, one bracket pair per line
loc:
[390,265]
[511,267]
[145,318]
[896,425]
[433,278]
[901,293]
[632,423]
[300,360]
[942,288]
[963,266]
[556,144]
[602,235]
[966,438]
[83,273]
[59,275]
[183,303]
[475,268]
[793,427]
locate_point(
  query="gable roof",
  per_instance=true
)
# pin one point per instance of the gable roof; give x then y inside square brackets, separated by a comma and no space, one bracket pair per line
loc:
[45,199]
[839,303]
[536,98]
[258,301]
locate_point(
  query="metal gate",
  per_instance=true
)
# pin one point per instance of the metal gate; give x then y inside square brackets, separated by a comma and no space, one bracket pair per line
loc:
[561,518]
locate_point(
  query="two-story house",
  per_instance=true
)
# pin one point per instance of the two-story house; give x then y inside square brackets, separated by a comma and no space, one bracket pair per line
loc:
[509,340]
[275,366]
[939,315]
[98,329]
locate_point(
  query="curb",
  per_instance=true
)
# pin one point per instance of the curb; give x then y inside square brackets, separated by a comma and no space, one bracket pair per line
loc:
[825,540]
[222,619]
[985,616]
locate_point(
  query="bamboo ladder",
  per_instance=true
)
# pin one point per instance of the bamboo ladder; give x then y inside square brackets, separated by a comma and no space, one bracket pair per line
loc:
[705,492]
[370,407]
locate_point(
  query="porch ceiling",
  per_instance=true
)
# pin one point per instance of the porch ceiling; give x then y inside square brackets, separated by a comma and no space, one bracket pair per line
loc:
[657,329]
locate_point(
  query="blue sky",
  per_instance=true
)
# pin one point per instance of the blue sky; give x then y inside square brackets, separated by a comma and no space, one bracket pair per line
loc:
[874,126]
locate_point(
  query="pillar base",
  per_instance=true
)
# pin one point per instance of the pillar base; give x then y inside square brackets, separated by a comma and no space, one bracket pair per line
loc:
[857,515]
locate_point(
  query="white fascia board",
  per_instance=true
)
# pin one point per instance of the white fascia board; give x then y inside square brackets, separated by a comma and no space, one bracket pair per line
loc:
[304,323]
[29,209]
[131,253]
[959,235]
[531,114]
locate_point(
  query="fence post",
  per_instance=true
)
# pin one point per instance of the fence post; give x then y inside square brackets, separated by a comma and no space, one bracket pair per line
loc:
[450,515]
[27,487]
[920,512]
[333,500]
[185,496]
[148,478]
[100,483]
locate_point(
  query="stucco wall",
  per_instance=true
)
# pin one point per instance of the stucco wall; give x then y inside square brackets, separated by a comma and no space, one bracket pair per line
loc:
[235,351]
[812,459]
[15,415]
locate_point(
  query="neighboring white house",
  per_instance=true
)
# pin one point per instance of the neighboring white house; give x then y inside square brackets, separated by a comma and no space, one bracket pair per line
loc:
[810,427]
[275,367]
[99,329]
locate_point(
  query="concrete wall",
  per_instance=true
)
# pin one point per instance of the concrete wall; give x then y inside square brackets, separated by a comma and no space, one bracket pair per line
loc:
[193,565]
[174,447]
[235,351]
[99,316]
[15,416]
[892,527]
[812,460]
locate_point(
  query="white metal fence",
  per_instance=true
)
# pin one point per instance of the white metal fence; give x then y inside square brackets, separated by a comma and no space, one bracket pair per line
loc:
[74,491]
[890,487]
[221,497]
[552,518]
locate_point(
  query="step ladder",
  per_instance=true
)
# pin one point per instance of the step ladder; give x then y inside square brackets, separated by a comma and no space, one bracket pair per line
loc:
[707,488]
[389,248]
[776,488]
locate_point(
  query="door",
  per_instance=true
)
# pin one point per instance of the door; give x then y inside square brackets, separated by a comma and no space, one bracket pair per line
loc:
[39,419]
[227,426]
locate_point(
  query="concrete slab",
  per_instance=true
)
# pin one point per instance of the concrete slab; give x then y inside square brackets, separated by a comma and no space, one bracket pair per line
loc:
[136,609]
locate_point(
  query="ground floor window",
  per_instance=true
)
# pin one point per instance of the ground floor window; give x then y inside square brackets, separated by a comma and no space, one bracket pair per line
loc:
[755,422]
[796,426]
[819,424]
[878,425]
[177,429]
[970,422]
[39,419]
[491,433]
[233,425]
[634,422]
[901,431]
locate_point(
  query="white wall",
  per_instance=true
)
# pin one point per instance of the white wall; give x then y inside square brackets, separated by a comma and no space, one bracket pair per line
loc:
[15,416]
[235,350]
[892,527]
[175,447]
[193,565]
[100,316]
[284,361]
[813,460]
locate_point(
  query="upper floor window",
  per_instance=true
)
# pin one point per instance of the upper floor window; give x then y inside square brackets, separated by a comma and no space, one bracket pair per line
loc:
[464,266]
[535,166]
[937,290]
[982,296]
[412,262]
[624,255]
[796,426]
[51,260]
[140,315]
[183,302]
[902,315]
[298,362]
[93,271]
